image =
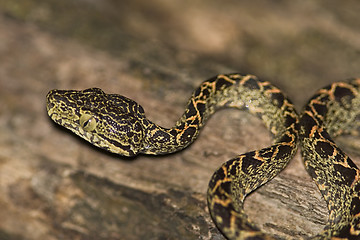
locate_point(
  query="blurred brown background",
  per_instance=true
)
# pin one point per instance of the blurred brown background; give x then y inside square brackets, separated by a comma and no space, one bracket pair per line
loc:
[55,186]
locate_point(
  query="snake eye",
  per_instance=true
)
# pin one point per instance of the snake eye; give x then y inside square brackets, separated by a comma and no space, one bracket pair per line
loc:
[88,122]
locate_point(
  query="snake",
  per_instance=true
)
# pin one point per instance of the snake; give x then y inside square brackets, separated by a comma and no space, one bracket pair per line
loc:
[333,111]
[118,124]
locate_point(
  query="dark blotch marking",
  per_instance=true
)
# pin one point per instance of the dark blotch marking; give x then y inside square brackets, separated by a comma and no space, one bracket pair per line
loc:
[193,122]
[205,94]
[307,122]
[267,153]
[325,149]
[221,83]
[344,232]
[181,126]
[285,138]
[278,99]
[191,110]
[347,173]
[201,108]
[355,206]
[283,151]
[233,168]
[252,83]
[289,120]
[339,157]
[188,134]
[248,162]
[173,132]
[341,92]
[224,212]
[321,109]
[226,186]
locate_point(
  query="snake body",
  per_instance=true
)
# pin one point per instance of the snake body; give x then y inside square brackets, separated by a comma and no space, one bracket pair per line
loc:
[119,125]
[333,111]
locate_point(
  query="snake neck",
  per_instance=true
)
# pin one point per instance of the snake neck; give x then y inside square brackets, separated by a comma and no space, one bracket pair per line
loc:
[211,95]
[159,140]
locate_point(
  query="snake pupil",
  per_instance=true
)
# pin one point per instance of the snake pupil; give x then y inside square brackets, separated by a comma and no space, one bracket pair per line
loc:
[88,122]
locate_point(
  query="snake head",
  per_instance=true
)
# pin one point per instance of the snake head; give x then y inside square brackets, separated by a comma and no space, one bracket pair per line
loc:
[109,121]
